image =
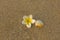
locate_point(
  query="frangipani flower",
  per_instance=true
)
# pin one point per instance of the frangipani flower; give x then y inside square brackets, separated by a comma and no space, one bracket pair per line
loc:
[39,23]
[28,20]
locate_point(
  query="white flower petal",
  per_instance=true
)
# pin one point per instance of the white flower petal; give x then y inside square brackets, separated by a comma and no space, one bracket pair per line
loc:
[30,16]
[28,26]
[24,17]
[23,22]
[33,21]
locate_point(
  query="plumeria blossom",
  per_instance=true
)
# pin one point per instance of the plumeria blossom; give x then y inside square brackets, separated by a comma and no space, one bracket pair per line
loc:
[28,20]
[39,23]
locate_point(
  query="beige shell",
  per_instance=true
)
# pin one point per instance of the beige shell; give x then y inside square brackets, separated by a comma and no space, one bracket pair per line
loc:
[39,23]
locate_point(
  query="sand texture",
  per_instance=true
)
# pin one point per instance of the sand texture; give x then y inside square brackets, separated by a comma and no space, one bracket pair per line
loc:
[12,12]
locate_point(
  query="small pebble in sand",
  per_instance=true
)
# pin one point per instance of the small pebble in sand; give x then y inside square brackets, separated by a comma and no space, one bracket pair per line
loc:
[39,23]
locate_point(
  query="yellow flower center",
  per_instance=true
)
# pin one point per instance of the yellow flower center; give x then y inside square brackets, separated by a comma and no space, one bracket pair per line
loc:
[28,20]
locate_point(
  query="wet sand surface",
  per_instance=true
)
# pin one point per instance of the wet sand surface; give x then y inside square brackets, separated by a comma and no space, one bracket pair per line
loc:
[12,11]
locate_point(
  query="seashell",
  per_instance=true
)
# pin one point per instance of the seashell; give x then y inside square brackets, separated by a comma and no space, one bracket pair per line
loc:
[39,23]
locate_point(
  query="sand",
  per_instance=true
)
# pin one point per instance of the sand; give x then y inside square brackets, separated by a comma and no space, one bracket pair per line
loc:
[12,12]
